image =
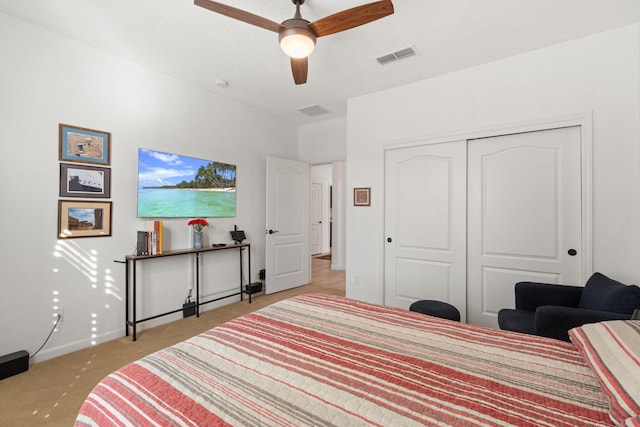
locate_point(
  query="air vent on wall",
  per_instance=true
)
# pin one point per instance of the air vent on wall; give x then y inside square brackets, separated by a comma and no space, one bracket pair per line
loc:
[313,110]
[396,56]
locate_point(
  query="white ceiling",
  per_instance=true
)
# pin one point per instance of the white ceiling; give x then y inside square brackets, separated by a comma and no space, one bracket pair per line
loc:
[196,45]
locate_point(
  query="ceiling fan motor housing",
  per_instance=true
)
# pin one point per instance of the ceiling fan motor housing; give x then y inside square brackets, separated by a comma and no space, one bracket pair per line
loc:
[296,38]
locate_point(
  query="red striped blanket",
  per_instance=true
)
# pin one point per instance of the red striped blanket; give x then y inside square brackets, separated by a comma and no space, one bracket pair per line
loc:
[320,360]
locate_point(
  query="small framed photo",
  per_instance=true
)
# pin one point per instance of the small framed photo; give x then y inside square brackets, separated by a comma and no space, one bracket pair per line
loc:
[83,219]
[362,196]
[84,181]
[84,145]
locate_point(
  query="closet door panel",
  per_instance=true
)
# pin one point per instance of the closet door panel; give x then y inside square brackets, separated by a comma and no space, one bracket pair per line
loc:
[425,222]
[520,202]
[524,215]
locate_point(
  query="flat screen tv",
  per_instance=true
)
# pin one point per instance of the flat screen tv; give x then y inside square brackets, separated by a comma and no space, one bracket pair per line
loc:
[174,186]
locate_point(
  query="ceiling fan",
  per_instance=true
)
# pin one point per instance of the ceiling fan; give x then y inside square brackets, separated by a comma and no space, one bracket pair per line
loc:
[297,36]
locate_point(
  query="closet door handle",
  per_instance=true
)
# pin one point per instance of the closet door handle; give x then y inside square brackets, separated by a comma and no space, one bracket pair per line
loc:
[389,239]
[572,252]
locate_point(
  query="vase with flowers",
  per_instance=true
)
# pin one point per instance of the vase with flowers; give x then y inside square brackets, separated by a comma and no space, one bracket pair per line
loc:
[198,225]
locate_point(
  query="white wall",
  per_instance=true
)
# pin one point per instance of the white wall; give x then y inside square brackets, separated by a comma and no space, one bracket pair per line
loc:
[323,142]
[598,74]
[46,79]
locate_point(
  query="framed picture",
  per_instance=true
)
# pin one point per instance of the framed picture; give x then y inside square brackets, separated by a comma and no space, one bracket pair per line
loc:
[84,181]
[362,196]
[83,219]
[84,145]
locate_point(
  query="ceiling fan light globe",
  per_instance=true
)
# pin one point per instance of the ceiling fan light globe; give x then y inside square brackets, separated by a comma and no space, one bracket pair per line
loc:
[297,42]
[297,46]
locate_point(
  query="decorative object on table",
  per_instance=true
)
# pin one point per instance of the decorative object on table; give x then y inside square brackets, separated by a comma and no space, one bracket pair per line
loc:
[150,240]
[84,145]
[83,219]
[237,235]
[362,196]
[198,225]
[84,181]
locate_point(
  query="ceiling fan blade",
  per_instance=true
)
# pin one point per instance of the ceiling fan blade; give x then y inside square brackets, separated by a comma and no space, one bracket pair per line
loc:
[352,18]
[300,67]
[239,14]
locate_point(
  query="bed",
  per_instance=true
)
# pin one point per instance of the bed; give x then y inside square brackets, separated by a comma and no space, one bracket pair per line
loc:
[322,360]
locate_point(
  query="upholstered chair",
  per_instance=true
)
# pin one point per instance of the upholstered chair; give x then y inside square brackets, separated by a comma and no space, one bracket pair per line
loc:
[551,310]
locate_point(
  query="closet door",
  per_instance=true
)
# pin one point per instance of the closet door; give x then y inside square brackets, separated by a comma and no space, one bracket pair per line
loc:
[425,224]
[524,216]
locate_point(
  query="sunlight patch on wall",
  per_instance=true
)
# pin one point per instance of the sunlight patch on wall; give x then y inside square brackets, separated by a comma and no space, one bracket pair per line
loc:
[86,262]
[110,285]
[94,328]
[73,254]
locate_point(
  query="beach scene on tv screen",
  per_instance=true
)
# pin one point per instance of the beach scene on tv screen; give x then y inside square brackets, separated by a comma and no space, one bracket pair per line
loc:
[175,186]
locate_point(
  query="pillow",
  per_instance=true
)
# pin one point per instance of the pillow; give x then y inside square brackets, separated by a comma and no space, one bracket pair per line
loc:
[605,294]
[612,351]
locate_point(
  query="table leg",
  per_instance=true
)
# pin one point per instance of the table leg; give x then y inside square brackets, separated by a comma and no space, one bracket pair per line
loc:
[133,306]
[126,299]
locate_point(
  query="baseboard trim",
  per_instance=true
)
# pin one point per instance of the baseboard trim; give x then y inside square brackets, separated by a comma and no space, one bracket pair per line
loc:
[75,346]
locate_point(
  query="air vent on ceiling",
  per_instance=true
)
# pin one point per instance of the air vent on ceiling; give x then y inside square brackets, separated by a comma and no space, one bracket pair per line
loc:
[396,56]
[313,110]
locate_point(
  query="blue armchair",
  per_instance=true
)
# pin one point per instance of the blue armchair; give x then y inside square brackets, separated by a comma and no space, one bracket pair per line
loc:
[551,310]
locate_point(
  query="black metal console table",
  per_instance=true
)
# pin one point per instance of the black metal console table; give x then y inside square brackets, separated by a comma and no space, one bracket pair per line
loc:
[131,272]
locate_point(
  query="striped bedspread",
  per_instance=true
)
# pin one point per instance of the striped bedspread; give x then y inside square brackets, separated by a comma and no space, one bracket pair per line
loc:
[321,360]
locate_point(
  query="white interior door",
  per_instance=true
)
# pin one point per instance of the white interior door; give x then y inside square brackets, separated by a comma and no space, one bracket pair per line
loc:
[524,209]
[425,224]
[316,218]
[287,234]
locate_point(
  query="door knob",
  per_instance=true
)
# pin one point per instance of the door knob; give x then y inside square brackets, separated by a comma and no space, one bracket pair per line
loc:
[572,252]
[389,239]
[272,231]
